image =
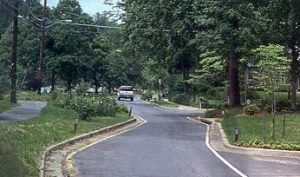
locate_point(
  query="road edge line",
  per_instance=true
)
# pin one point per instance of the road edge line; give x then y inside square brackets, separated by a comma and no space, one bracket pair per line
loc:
[207,139]
[69,158]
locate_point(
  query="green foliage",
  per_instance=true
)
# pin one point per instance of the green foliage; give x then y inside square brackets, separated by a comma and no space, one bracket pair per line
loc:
[22,142]
[251,109]
[215,113]
[272,62]
[256,131]
[283,88]
[82,88]
[147,95]
[86,107]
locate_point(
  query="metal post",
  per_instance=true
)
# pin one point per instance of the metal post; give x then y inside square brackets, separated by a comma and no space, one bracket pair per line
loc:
[283,128]
[13,71]
[42,46]
[76,123]
[236,135]
[159,89]
[130,112]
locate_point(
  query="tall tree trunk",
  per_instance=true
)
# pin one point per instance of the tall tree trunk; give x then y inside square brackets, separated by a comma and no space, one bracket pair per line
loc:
[109,87]
[69,86]
[96,85]
[234,87]
[13,74]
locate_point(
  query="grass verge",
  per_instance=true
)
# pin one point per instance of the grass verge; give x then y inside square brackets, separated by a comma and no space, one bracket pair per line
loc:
[256,131]
[166,104]
[22,142]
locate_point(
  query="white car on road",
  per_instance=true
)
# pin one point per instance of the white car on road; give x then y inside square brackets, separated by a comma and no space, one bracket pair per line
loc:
[125,92]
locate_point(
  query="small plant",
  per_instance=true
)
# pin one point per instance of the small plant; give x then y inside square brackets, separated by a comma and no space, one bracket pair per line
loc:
[251,109]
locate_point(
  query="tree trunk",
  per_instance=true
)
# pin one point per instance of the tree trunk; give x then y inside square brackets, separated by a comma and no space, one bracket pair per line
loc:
[234,87]
[109,87]
[96,82]
[13,74]
[69,86]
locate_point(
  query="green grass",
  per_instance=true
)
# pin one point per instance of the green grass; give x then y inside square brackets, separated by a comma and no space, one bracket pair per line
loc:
[6,105]
[166,104]
[29,138]
[256,131]
[32,96]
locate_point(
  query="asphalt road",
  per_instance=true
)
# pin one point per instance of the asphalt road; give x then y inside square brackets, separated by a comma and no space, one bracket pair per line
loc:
[26,110]
[169,145]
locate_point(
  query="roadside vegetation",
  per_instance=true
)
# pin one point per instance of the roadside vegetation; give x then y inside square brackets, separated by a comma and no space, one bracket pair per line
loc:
[22,142]
[256,130]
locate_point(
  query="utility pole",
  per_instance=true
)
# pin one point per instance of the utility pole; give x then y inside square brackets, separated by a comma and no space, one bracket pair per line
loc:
[13,71]
[42,48]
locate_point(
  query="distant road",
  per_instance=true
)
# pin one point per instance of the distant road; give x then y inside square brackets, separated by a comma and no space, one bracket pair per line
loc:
[26,110]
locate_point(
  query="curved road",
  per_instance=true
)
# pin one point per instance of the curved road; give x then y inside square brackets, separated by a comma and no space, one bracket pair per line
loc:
[169,145]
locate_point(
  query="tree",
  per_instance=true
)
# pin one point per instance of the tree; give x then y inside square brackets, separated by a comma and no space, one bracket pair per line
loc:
[284,23]
[271,61]
[233,29]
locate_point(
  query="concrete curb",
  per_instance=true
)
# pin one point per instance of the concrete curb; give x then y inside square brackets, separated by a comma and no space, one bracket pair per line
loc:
[206,121]
[62,144]
[179,107]
[261,150]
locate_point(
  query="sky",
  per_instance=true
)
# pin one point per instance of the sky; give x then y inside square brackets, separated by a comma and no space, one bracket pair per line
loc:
[89,6]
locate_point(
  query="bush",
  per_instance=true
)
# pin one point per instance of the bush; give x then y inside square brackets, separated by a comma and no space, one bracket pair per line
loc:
[283,88]
[181,99]
[82,89]
[86,107]
[147,95]
[251,109]
[55,94]
[282,105]
[217,113]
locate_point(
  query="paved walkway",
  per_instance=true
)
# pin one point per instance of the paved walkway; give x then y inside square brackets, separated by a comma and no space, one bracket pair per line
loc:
[26,110]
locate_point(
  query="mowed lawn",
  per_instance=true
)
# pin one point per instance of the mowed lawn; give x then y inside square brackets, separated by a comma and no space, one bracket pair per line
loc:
[22,142]
[256,131]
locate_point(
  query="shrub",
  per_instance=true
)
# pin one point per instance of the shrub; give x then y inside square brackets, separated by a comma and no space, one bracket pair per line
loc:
[251,109]
[283,88]
[82,88]
[86,107]
[55,94]
[213,113]
[282,105]
[181,99]
[147,95]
